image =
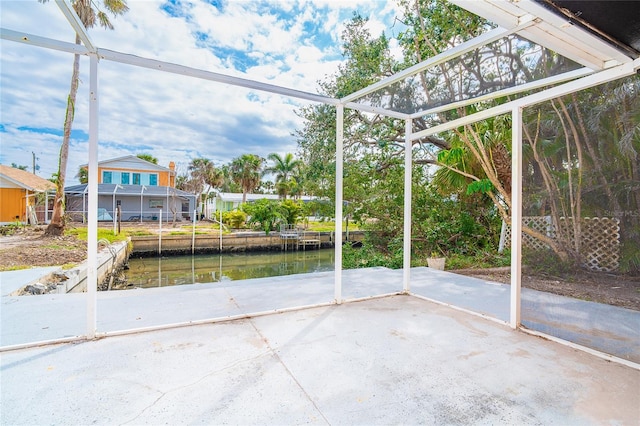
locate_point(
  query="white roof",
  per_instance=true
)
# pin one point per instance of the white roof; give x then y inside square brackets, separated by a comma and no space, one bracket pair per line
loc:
[234,197]
[130,162]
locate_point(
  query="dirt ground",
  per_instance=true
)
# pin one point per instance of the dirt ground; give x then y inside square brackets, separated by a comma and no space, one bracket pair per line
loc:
[606,288]
[29,247]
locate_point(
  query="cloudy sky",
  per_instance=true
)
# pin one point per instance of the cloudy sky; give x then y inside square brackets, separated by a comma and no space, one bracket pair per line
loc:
[288,43]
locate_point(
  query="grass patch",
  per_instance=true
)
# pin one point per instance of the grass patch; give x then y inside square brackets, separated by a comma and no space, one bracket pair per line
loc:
[205,228]
[14,268]
[107,234]
[479,260]
[54,246]
[369,256]
[11,228]
[189,233]
[139,233]
[329,226]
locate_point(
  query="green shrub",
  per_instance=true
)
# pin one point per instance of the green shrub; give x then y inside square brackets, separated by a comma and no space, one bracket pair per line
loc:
[234,218]
[478,260]
[292,211]
[369,256]
[11,228]
[546,262]
[265,214]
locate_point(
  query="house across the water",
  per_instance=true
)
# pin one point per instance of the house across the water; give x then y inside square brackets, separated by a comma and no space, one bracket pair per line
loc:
[18,192]
[227,201]
[143,191]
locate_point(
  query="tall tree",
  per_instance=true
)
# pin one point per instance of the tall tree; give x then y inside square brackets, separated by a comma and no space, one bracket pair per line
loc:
[148,157]
[83,175]
[285,168]
[247,171]
[89,13]
[204,177]
[16,166]
[479,154]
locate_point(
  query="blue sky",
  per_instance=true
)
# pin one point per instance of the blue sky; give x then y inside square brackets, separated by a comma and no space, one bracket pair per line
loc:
[289,43]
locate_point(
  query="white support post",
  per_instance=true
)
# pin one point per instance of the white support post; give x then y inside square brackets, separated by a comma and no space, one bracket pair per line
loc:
[339,184]
[193,236]
[46,207]
[26,207]
[141,201]
[92,226]
[114,209]
[408,165]
[516,216]
[160,233]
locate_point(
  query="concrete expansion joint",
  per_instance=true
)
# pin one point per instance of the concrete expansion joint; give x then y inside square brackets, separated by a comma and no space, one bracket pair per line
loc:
[196,382]
[276,355]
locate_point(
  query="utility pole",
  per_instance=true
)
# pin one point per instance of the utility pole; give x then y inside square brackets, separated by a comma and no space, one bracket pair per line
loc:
[34,162]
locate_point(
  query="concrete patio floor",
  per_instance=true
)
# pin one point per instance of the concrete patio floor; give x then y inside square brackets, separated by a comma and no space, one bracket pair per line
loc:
[391,360]
[24,319]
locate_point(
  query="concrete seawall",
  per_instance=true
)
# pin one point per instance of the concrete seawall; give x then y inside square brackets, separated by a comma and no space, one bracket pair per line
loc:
[240,241]
[74,280]
[108,259]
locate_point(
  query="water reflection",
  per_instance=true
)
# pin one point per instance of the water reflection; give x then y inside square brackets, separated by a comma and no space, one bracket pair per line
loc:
[177,270]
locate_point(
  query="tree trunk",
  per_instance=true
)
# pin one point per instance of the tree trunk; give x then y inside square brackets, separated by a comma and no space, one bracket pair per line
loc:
[56,227]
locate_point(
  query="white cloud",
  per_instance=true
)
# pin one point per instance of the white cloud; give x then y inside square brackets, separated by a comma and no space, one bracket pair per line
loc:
[172,117]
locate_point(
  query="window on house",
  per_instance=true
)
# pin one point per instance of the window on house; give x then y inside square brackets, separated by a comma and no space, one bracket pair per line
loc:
[106,177]
[136,179]
[156,204]
[124,178]
[153,180]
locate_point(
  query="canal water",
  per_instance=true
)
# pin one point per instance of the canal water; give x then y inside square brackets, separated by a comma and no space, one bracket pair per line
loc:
[207,268]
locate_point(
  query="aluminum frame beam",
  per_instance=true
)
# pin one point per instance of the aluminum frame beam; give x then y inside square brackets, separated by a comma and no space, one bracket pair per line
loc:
[556,79]
[377,110]
[154,64]
[596,79]
[440,58]
[47,43]
[76,23]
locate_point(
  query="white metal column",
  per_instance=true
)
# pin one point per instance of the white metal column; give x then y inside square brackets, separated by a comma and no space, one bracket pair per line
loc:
[408,165]
[46,207]
[339,183]
[26,207]
[516,215]
[92,227]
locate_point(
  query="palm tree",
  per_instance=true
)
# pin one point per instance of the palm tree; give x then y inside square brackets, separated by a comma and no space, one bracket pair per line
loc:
[88,15]
[284,169]
[246,171]
[204,173]
[83,175]
[148,157]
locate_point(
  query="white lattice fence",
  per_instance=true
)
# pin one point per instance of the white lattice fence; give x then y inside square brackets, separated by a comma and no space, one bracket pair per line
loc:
[600,239]
[600,248]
